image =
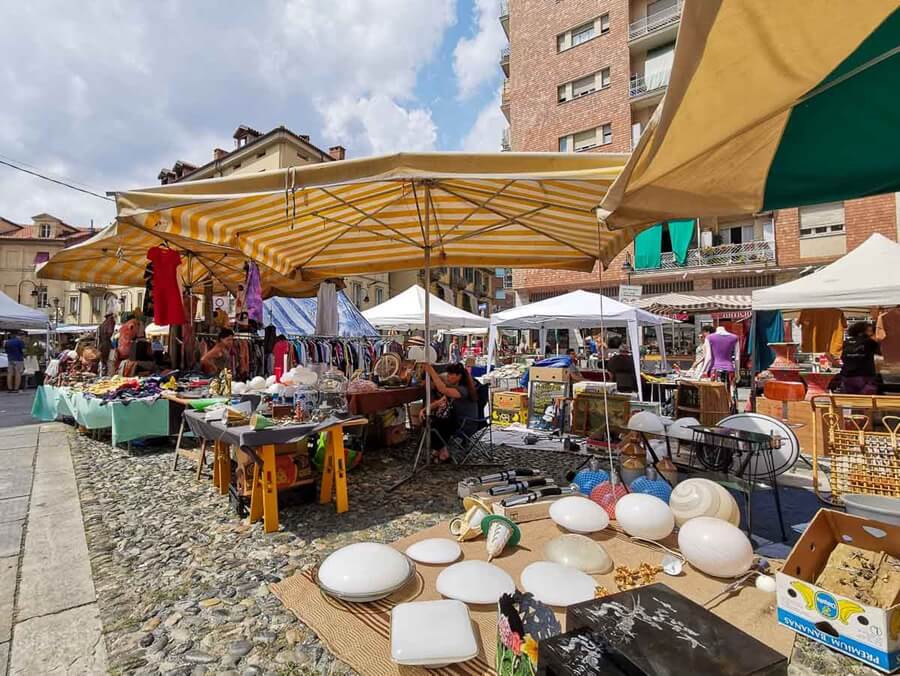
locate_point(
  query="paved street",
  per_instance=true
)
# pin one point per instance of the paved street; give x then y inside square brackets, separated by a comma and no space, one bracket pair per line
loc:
[15,409]
[49,622]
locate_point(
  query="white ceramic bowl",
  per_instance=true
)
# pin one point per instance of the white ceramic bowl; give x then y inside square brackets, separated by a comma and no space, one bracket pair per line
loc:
[645,516]
[556,584]
[715,547]
[364,571]
[434,551]
[579,514]
[475,582]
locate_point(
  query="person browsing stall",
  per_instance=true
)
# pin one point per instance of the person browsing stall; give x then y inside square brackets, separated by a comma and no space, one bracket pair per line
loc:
[458,403]
[218,356]
[15,355]
[858,360]
[621,365]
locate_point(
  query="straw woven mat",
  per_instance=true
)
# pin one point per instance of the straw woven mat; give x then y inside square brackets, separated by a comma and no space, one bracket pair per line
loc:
[360,634]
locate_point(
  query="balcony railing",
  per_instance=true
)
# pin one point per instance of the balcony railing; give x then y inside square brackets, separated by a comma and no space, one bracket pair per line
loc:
[504,141]
[745,253]
[641,85]
[504,60]
[654,22]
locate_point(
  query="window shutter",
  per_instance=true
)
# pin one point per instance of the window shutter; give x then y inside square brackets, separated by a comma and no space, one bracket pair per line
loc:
[822,215]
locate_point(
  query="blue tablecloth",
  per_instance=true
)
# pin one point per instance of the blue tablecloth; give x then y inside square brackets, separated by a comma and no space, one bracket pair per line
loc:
[135,420]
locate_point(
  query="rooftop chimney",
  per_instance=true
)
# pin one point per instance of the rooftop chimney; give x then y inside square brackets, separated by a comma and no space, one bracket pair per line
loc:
[337,152]
[304,137]
[218,153]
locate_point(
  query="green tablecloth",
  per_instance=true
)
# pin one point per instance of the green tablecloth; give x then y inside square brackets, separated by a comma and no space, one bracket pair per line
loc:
[135,420]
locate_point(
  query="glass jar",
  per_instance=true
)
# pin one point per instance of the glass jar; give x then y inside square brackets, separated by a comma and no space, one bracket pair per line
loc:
[333,393]
[306,401]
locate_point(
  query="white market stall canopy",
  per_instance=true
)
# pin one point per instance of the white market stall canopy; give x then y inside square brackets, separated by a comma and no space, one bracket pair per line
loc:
[406,311]
[16,316]
[580,310]
[680,302]
[866,277]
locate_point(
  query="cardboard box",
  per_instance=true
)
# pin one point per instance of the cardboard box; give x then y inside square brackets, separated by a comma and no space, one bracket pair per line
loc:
[871,635]
[548,375]
[510,400]
[523,513]
[509,408]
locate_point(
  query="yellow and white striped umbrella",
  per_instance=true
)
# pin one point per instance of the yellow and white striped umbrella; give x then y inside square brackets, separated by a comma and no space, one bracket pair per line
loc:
[118,255]
[390,213]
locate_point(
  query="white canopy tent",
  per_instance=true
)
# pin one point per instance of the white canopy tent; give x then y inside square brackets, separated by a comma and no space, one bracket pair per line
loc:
[406,312]
[16,316]
[866,277]
[580,310]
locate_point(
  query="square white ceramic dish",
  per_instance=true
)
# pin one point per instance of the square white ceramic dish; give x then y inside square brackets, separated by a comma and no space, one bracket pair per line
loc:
[432,633]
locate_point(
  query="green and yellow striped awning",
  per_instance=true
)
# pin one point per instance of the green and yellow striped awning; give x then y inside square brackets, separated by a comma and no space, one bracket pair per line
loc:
[118,255]
[386,213]
[771,104]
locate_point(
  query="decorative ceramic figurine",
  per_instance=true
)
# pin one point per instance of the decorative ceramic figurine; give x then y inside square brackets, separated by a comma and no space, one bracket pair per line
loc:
[715,547]
[500,532]
[468,525]
[645,516]
[579,551]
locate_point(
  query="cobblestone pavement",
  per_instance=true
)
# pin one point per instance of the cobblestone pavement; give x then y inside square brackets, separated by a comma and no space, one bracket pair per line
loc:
[182,583]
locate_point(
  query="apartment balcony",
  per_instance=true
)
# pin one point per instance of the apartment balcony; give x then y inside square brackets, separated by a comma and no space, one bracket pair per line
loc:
[504,99]
[504,60]
[504,16]
[646,92]
[746,253]
[504,141]
[655,29]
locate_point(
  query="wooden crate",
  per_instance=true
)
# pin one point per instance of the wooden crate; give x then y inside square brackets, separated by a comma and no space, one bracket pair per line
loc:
[800,417]
[707,401]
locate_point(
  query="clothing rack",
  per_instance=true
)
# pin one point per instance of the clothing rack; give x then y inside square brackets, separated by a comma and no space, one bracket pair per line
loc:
[337,353]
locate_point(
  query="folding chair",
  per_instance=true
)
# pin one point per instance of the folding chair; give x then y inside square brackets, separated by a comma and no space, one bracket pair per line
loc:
[475,437]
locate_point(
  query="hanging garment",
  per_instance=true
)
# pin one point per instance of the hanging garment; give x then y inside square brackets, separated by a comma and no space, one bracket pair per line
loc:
[680,234]
[167,306]
[823,330]
[283,354]
[147,309]
[722,346]
[253,304]
[648,248]
[887,330]
[768,327]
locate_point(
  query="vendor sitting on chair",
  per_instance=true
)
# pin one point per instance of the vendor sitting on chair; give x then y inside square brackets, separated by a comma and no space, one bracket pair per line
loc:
[457,404]
[621,365]
[216,358]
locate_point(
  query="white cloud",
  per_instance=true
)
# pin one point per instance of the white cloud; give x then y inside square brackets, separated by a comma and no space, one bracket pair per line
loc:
[475,59]
[108,93]
[485,134]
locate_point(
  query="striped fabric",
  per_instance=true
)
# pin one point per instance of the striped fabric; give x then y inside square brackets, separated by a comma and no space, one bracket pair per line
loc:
[671,303]
[118,255]
[382,214]
[297,316]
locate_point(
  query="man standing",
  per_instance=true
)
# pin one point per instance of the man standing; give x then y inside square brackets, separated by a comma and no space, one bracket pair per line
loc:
[15,354]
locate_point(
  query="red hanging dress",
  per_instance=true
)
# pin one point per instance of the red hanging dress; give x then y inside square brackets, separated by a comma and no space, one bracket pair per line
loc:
[167,306]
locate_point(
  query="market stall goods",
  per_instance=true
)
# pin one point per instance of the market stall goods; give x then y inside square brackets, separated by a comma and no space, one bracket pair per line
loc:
[645,516]
[556,584]
[364,571]
[580,552]
[434,551]
[715,547]
[432,634]
[579,514]
[474,582]
[701,497]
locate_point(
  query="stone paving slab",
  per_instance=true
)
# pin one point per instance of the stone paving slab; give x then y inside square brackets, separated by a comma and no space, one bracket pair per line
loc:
[13,509]
[69,642]
[4,657]
[53,493]
[8,569]
[15,482]
[10,538]
[17,458]
[23,440]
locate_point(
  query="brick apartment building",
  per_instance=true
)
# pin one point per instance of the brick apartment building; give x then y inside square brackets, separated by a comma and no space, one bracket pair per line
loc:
[586,75]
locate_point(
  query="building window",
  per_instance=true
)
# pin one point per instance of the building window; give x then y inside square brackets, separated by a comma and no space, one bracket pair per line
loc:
[379,295]
[44,231]
[744,282]
[41,257]
[508,279]
[583,33]
[140,300]
[821,220]
[583,86]
[587,139]
[357,295]
[667,287]
[469,274]
[42,301]
[97,305]
[73,305]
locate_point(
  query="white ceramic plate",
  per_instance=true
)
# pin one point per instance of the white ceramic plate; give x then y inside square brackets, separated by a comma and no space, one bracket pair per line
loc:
[434,551]
[432,634]
[474,582]
[556,584]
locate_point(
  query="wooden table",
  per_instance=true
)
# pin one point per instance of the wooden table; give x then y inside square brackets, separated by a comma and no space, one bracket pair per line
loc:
[365,403]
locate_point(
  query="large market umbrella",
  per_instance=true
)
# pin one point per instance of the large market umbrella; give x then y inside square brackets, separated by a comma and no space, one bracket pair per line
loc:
[398,212]
[118,255]
[771,104]
[406,311]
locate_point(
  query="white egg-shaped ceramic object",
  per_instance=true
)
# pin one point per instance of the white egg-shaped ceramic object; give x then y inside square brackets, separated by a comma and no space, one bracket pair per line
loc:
[579,514]
[364,571]
[701,497]
[474,582]
[715,547]
[645,516]
[580,552]
[556,584]
[434,551]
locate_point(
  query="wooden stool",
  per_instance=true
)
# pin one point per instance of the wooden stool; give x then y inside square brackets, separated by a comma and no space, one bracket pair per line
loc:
[264,494]
[221,466]
[334,469]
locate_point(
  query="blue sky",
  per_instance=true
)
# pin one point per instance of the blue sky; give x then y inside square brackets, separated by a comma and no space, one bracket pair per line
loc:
[106,94]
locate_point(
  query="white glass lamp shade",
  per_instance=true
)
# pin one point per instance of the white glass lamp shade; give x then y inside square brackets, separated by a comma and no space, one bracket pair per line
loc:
[715,547]
[646,422]
[697,497]
[680,429]
[474,582]
[432,634]
[434,551]
[645,516]
[364,571]
[578,551]
[579,514]
[556,584]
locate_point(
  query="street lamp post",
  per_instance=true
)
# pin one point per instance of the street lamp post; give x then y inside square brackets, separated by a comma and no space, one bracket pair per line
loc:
[35,289]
